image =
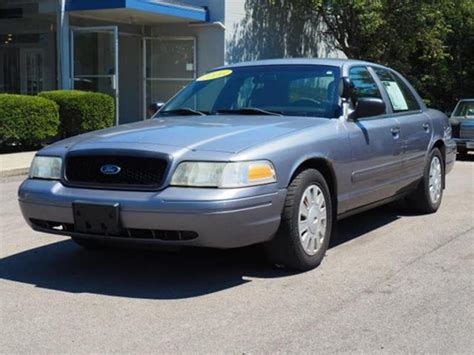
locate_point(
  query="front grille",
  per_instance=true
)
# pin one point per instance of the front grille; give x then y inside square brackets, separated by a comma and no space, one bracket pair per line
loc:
[135,171]
[131,233]
[466,132]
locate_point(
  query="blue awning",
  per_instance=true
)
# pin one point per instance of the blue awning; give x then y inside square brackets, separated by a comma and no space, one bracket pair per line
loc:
[173,10]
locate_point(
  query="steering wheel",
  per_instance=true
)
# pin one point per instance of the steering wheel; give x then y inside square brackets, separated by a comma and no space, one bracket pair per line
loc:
[307,102]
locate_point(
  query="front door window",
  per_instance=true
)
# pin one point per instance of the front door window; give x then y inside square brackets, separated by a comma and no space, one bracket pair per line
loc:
[364,83]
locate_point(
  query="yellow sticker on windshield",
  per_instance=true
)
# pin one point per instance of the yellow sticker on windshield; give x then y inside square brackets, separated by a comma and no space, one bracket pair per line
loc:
[215,75]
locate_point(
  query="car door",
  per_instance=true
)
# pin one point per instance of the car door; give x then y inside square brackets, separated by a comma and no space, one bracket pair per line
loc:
[375,145]
[415,126]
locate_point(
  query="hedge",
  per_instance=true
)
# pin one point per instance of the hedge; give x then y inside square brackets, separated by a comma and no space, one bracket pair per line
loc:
[26,120]
[82,111]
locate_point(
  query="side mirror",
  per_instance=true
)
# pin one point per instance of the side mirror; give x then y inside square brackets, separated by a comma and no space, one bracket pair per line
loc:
[160,105]
[346,88]
[368,106]
[154,108]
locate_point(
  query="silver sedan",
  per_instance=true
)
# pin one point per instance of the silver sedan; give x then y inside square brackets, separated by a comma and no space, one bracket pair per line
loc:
[271,152]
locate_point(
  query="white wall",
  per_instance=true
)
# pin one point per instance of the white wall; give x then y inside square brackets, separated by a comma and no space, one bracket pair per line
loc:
[234,14]
[263,43]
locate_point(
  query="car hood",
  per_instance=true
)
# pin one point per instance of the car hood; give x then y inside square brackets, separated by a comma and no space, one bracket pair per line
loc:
[228,134]
[462,120]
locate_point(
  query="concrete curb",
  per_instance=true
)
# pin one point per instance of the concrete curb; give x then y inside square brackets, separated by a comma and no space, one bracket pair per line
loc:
[15,163]
[13,172]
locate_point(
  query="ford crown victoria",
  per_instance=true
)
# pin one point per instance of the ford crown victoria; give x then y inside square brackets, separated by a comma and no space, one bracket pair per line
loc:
[271,152]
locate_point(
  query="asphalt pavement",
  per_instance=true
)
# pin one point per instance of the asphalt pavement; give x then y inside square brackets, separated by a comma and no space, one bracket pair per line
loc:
[391,282]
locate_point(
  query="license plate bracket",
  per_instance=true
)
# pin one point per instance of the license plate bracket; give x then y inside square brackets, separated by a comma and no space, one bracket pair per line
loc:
[103,219]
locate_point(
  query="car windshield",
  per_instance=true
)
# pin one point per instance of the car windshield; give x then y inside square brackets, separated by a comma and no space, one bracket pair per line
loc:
[292,90]
[465,109]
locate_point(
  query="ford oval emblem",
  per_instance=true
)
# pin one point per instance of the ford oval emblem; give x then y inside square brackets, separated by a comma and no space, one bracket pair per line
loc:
[110,169]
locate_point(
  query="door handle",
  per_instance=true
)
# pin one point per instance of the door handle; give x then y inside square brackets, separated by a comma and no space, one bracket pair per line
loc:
[426,126]
[395,131]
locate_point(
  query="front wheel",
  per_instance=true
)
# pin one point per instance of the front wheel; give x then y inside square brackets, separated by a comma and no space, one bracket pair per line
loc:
[429,193]
[307,220]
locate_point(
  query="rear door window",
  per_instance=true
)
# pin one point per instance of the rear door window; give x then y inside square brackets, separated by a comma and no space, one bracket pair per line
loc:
[401,97]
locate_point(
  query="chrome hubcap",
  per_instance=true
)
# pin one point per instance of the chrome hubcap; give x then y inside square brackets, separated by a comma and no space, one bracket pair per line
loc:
[312,219]
[435,182]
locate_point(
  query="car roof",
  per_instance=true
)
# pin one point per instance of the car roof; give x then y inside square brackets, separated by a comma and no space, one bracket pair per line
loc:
[300,61]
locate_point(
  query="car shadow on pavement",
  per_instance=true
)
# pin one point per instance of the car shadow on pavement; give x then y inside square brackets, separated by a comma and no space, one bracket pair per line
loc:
[64,266]
[468,157]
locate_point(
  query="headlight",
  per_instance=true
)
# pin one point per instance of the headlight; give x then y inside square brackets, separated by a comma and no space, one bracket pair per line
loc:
[46,168]
[224,175]
[448,132]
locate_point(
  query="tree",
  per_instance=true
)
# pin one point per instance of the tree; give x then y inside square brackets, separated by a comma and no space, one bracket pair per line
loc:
[431,42]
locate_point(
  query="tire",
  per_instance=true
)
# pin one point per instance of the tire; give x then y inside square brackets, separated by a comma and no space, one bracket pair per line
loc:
[429,193]
[286,248]
[88,244]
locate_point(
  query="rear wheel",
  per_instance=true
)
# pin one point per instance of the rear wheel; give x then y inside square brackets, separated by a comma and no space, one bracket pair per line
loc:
[303,237]
[429,193]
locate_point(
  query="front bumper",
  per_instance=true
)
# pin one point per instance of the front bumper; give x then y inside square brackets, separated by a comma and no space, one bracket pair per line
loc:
[222,218]
[450,154]
[464,144]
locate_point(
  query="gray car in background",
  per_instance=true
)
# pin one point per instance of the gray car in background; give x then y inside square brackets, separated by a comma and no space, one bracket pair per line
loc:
[271,152]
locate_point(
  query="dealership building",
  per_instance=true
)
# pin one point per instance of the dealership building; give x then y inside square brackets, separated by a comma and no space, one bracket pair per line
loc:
[138,51]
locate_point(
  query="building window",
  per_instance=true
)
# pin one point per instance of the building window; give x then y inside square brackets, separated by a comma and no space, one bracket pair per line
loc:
[27,46]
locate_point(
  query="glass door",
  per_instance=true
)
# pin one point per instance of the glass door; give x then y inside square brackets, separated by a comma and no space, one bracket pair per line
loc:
[94,59]
[169,65]
[10,70]
[31,62]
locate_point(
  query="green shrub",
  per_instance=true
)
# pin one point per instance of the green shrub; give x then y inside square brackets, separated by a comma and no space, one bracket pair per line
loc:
[26,120]
[82,111]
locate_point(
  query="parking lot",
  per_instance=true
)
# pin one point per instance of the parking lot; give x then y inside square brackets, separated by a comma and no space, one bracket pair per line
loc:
[391,281]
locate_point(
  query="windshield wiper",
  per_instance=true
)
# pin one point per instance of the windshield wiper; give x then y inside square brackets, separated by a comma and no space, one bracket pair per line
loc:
[250,111]
[184,111]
